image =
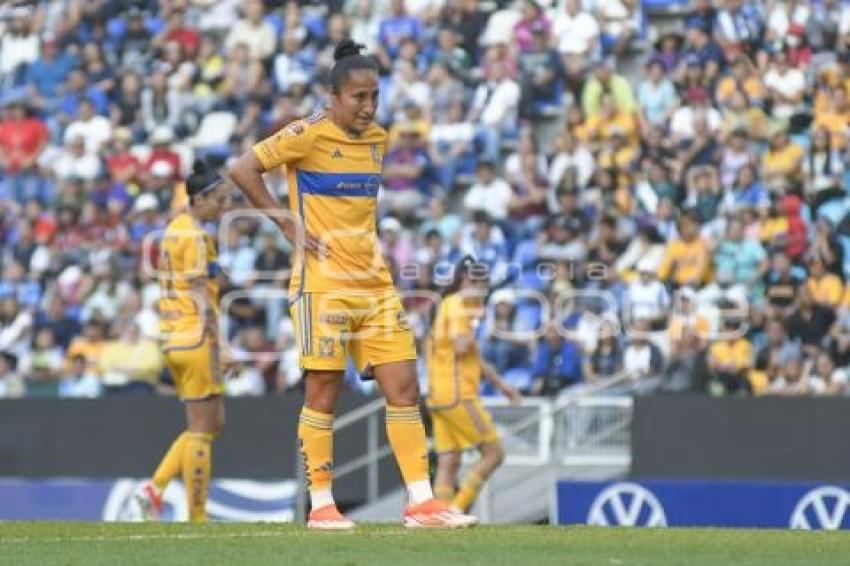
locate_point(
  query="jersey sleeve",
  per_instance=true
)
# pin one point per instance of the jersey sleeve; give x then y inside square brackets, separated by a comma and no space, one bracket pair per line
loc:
[287,146]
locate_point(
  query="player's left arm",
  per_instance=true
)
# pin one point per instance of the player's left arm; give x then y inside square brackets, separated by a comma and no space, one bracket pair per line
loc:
[489,373]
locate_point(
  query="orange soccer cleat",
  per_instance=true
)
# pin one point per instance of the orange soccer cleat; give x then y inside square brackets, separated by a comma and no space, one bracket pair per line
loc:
[329,518]
[436,514]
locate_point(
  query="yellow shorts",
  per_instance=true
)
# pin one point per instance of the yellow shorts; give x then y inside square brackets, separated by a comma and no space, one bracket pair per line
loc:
[195,369]
[465,425]
[372,328]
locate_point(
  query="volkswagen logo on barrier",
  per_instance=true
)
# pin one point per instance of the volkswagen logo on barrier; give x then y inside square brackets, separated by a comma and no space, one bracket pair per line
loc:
[627,505]
[821,508]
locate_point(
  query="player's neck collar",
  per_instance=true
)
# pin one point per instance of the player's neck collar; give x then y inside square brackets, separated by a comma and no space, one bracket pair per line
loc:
[348,133]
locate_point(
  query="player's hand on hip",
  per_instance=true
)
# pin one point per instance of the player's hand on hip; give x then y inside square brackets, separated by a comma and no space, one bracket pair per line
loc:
[298,238]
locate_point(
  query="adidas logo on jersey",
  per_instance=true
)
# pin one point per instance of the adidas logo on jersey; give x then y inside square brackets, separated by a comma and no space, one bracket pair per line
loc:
[337,154]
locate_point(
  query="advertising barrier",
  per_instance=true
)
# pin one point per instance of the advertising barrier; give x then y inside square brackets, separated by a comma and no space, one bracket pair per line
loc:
[113,500]
[677,503]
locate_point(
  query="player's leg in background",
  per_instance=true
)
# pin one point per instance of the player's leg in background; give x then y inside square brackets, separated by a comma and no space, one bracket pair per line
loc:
[315,433]
[205,420]
[492,455]
[448,464]
[405,432]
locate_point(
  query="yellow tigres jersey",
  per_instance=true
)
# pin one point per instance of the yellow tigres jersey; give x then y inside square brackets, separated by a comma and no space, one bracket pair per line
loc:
[451,376]
[186,252]
[333,181]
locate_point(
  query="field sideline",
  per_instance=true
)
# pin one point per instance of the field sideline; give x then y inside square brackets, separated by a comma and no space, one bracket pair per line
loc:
[46,544]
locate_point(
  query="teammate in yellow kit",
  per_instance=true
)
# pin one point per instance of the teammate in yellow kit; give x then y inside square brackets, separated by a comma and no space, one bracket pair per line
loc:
[188,308]
[341,297]
[455,369]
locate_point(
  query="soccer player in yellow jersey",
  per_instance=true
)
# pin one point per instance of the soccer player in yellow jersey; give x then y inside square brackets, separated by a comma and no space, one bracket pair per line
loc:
[188,308]
[455,369]
[341,297]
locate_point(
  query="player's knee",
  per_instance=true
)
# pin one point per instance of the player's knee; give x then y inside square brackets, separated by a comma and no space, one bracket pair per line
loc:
[406,394]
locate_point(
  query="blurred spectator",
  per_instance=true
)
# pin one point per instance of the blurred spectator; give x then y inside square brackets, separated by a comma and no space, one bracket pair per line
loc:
[540,74]
[646,297]
[730,360]
[95,130]
[781,287]
[486,242]
[256,359]
[502,345]
[686,260]
[656,95]
[41,366]
[253,31]
[827,26]
[57,319]
[825,288]
[407,169]
[687,370]
[176,30]
[16,325]
[393,30]
[810,322]
[790,379]
[642,359]
[532,20]
[605,81]
[23,137]
[395,242]
[19,45]
[445,222]
[744,260]
[80,381]
[11,384]
[738,27]
[557,363]
[131,364]
[775,354]
[489,193]
[825,378]
[607,359]
[786,86]
[134,45]
[494,109]
[290,59]
[451,149]
[575,32]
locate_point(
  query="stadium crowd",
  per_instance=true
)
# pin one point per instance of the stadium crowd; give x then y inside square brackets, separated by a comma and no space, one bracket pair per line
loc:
[665,203]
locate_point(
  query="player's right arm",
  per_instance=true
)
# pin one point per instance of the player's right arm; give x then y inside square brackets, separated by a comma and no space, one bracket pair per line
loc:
[286,147]
[489,373]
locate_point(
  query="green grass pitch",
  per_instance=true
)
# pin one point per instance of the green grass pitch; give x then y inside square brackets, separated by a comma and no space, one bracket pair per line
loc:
[47,544]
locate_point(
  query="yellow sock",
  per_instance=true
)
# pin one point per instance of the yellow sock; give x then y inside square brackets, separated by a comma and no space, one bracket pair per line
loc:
[407,439]
[315,434]
[171,463]
[197,464]
[468,491]
[444,493]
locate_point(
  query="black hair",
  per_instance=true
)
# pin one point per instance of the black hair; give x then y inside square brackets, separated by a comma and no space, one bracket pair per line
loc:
[203,178]
[467,267]
[347,58]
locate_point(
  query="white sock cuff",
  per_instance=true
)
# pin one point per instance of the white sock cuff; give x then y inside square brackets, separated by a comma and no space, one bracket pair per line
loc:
[419,491]
[320,498]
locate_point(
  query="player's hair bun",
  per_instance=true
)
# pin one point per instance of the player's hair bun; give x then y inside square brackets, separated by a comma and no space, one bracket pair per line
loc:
[347,48]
